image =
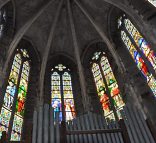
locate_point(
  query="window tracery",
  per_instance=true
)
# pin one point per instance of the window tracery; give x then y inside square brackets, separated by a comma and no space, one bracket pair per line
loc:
[106,85]
[12,112]
[62,93]
[138,46]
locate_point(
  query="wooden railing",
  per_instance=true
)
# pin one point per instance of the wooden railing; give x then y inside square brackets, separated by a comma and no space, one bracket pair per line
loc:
[92,128]
[88,128]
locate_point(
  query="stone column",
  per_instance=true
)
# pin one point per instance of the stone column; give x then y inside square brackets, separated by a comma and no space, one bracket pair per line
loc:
[46,53]
[78,60]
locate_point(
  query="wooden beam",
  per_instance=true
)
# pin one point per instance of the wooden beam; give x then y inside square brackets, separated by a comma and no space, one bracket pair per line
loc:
[100,131]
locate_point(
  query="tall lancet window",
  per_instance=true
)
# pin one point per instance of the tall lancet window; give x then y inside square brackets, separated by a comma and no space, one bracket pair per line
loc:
[62,93]
[106,85]
[153,2]
[12,112]
[139,49]
[3,20]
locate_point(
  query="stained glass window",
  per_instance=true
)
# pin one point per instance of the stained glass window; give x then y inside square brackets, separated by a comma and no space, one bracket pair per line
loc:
[106,84]
[3,20]
[15,95]
[153,2]
[62,92]
[141,42]
[134,42]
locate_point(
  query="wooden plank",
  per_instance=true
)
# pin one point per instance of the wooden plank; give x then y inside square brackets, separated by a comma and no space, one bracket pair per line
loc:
[119,135]
[68,136]
[123,114]
[124,131]
[75,128]
[92,127]
[87,127]
[116,136]
[95,131]
[57,128]
[99,136]
[107,134]
[46,123]
[52,131]
[101,123]
[136,126]
[146,129]
[71,129]
[34,133]
[140,124]
[81,139]
[83,127]
[111,134]
[131,126]
[40,125]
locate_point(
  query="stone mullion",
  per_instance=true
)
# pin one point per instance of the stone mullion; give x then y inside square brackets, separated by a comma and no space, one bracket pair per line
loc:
[62,97]
[92,76]
[26,94]
[147,62]
[14,102]
[108,93]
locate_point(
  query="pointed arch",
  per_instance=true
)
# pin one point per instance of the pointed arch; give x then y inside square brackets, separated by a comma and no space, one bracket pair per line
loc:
[62,99]
[139,50]
[12,112]
[107,86]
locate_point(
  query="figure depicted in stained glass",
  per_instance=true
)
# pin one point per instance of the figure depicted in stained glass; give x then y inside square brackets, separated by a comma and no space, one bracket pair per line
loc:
[141,43]
[68,109]
[11,88]
[136,44]
[20,101]
[9,95]
[104,99]
[61,79]
[145,48]
[16,91]
[5,117]
[140,63]
[56,104]
[102,72]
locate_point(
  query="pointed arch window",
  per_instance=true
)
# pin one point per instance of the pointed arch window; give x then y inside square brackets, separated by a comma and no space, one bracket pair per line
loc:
[139,49]
[106,85]
[62,93]
[3,20]
[153,2]
[12,112]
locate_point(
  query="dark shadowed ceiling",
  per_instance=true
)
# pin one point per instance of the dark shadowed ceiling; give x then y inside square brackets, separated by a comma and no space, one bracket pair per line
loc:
[62,42]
